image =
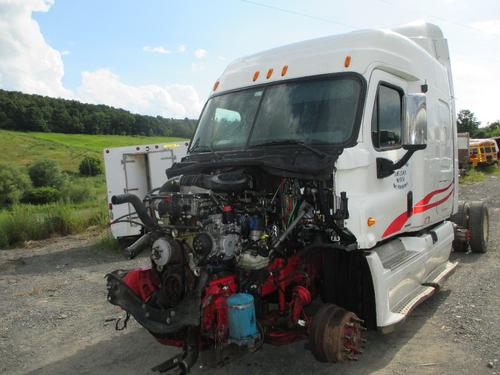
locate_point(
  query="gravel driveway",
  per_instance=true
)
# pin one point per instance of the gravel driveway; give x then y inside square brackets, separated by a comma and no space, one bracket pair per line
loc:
[55,318]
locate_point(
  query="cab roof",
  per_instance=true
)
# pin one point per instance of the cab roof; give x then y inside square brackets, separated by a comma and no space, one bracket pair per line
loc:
[389,50]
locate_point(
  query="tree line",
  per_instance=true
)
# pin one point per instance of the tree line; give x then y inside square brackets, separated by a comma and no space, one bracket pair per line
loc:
[26,112]
[467,122]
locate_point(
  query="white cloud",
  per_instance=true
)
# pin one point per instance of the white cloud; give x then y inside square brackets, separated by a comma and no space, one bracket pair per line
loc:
[200,53]
[182,48]
[158,49]
[104,87]
[65,52]
[490,27]
[28,63]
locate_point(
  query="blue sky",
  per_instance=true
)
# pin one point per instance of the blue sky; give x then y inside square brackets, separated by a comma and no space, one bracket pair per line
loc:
[162,57]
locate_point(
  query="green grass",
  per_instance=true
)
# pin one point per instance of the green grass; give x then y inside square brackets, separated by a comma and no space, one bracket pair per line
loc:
[492,169]
[99,142]
[107,241]
[479,174]
[66,149]
[27,222]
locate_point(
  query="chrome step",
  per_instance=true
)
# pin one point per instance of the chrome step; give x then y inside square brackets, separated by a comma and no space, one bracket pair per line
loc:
[439,279]
[407,305]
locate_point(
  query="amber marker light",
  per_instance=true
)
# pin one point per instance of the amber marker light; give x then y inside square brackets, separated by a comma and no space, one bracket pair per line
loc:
[347,61]
[216,85]
[284,70]
[256,75]
[371,221]
[269,73]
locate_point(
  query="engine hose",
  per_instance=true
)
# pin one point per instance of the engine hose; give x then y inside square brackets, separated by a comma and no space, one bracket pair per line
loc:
[303,209]
[139,207]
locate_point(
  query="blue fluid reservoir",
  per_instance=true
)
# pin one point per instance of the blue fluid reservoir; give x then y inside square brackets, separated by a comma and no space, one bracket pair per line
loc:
[242,323]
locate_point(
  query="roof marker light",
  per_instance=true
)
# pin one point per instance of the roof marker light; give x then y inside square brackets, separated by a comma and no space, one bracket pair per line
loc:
[284,70]
[269,73]
[347,61]
[371,221]
[256,75]
[216,85]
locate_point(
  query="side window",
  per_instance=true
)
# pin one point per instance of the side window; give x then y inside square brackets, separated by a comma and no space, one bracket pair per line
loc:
[387,118]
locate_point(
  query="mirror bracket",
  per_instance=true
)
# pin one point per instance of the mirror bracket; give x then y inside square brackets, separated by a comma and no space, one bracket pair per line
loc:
[386,167]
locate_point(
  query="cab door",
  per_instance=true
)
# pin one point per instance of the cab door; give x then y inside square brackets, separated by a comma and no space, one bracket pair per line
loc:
[394,194]
[445,150]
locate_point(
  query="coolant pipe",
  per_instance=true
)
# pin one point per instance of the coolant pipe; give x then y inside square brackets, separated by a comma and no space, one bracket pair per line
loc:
[139,207]
[139,245]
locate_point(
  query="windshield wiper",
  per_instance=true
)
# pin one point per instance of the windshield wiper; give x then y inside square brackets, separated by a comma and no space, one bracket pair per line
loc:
[196,147]
[293,142]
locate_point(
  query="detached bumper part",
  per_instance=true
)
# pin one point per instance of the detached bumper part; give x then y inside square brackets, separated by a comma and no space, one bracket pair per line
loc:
[159,322]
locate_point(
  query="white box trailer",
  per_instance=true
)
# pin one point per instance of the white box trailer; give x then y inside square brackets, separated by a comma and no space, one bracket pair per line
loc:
[136,169]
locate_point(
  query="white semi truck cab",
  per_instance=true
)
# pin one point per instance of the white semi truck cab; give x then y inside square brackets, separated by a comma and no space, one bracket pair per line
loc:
[318,197]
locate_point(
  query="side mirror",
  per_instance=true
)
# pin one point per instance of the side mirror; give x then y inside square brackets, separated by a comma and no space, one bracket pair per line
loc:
[415,121]
[414,133]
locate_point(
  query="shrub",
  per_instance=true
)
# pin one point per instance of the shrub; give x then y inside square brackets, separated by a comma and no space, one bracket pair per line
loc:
[22,223]
[90,166]
[46,172]
[75,192]
[13,183]
[41,195]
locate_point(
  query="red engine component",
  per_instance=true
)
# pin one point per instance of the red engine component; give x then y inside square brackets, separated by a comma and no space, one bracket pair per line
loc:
[142,282]
[214,306]
[288,279]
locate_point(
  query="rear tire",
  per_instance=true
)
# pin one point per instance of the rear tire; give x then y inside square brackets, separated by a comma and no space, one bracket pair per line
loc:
[461,218]
[479,227]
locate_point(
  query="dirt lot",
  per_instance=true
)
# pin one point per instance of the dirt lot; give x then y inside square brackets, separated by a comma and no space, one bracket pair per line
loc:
[55,318]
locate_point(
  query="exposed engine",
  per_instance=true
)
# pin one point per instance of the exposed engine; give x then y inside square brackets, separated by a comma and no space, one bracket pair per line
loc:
[235,260]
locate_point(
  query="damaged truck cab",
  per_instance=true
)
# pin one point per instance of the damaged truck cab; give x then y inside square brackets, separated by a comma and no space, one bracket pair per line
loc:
[314,202]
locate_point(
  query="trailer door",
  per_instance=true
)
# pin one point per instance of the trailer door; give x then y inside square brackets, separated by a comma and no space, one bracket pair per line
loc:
[160,161]
[136,181]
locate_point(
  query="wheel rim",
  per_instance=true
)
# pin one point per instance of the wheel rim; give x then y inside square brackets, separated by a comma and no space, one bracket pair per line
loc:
[486,226]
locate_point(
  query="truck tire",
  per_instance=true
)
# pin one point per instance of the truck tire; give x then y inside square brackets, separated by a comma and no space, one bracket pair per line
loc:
[479,227]
[461,218]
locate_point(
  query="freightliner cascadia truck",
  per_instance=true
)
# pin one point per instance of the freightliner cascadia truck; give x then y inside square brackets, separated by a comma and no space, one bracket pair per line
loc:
[318,198]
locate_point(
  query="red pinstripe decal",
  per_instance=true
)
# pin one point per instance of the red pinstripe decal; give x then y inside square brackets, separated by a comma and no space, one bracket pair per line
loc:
[429,196]
[421,206]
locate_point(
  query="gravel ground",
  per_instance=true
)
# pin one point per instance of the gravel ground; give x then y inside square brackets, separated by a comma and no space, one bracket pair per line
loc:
[55,318]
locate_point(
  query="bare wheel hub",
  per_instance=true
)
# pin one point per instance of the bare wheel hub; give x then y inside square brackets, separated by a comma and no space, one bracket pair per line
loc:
[336,334]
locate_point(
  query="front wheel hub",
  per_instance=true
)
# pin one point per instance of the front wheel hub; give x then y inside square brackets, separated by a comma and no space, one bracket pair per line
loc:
[336,334]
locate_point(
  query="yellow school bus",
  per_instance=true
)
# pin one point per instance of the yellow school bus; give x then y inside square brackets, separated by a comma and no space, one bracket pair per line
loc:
[483,152]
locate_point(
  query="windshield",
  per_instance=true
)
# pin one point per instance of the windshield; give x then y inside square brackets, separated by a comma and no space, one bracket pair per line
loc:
[321,111]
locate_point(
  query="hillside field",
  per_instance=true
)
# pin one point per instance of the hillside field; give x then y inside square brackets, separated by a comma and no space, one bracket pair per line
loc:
[66,149]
